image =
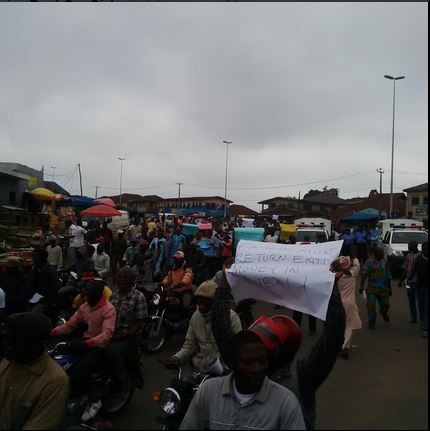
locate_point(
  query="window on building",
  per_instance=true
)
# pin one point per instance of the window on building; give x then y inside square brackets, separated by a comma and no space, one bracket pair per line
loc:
[415,201]
[12,196]
[425,200]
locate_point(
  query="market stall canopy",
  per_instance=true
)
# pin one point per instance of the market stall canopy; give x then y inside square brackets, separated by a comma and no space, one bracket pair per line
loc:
[101,211]
[363,215]
[80,201]
[44,194]
[106,201]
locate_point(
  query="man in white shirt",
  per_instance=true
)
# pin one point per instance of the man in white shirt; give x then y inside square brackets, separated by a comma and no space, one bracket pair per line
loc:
[76,239]
[55,254]
[101,261]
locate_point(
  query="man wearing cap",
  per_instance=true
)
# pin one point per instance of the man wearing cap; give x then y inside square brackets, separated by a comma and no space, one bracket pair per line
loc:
[100,316]
[33,388]
[200,346]
[178,281]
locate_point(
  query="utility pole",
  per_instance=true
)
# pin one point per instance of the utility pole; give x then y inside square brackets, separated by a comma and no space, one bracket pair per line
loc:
[97,188]
[179,193]
[227,143]
[52,184]
[380,172]
[80,177]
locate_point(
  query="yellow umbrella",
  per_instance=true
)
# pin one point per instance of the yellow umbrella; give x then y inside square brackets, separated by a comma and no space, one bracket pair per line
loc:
[44,194]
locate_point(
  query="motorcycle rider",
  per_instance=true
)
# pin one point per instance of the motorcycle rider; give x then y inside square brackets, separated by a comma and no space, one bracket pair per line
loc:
[200,346]
[131,310]
[178,281]
[100,316]
[33,388]
[302,376]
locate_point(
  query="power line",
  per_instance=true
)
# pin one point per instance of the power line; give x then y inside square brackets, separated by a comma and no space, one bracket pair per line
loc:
[283,186]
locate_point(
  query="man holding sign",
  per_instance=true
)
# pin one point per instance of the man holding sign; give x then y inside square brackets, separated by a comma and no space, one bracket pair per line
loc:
[298,277]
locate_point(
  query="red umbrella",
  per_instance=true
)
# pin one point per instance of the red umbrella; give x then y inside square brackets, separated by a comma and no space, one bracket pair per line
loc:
[101,211]
[106,201]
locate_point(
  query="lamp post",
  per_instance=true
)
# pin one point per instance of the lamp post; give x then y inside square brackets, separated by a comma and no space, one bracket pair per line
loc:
[394,79]
[227,143]
[120,181]
[52,184]
[380,172]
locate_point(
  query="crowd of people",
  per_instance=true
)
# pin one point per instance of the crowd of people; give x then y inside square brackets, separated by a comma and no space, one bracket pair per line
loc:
[111,310]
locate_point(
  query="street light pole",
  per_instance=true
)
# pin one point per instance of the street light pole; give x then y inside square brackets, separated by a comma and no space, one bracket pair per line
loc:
[227,143]
[380,172]
[120,182]
[394,79]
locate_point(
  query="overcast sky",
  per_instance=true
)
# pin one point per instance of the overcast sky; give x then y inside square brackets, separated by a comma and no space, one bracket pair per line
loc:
[298,88]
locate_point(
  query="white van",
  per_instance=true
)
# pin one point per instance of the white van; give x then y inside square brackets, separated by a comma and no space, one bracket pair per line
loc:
[317,229]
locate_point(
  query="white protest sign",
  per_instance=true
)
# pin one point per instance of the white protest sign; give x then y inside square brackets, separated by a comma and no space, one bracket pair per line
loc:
[293,275]
[247,222]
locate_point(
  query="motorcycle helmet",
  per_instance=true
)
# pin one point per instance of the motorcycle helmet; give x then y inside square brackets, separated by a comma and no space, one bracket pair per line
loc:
[280,334]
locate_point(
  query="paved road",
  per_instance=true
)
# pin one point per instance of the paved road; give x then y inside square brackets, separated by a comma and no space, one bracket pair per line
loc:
[384,384]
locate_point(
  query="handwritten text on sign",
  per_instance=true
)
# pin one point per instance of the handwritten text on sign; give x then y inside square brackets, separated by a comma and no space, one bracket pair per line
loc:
[295,276]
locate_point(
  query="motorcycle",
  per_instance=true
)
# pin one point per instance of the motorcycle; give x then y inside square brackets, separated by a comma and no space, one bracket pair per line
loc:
[112,402]
[175,399]
[165,318]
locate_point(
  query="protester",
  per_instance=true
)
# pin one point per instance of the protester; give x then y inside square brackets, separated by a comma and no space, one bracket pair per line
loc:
[33,388]
[55,254]
[177,242]
[43,281]
[348,241]
[131,252]
[76,239]
[200,346]
[106,237]
[410,277]
[131,310]
[420,269]
[100,316]
[361,239]
[271,236]
[101,261]
[375,271]
[298,315]
[119,246]
[15,284]
[196,260]
[347,271]
[246,398]
[178,281]
[302,376]
[160,250]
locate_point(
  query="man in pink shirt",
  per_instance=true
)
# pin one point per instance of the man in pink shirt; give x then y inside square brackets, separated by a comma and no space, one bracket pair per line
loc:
[100,315]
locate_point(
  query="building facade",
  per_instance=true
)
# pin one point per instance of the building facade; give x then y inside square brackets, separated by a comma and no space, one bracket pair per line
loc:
[417,202]
[15,179]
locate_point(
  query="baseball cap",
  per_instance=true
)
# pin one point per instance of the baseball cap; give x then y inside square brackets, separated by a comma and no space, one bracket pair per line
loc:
[179,255]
